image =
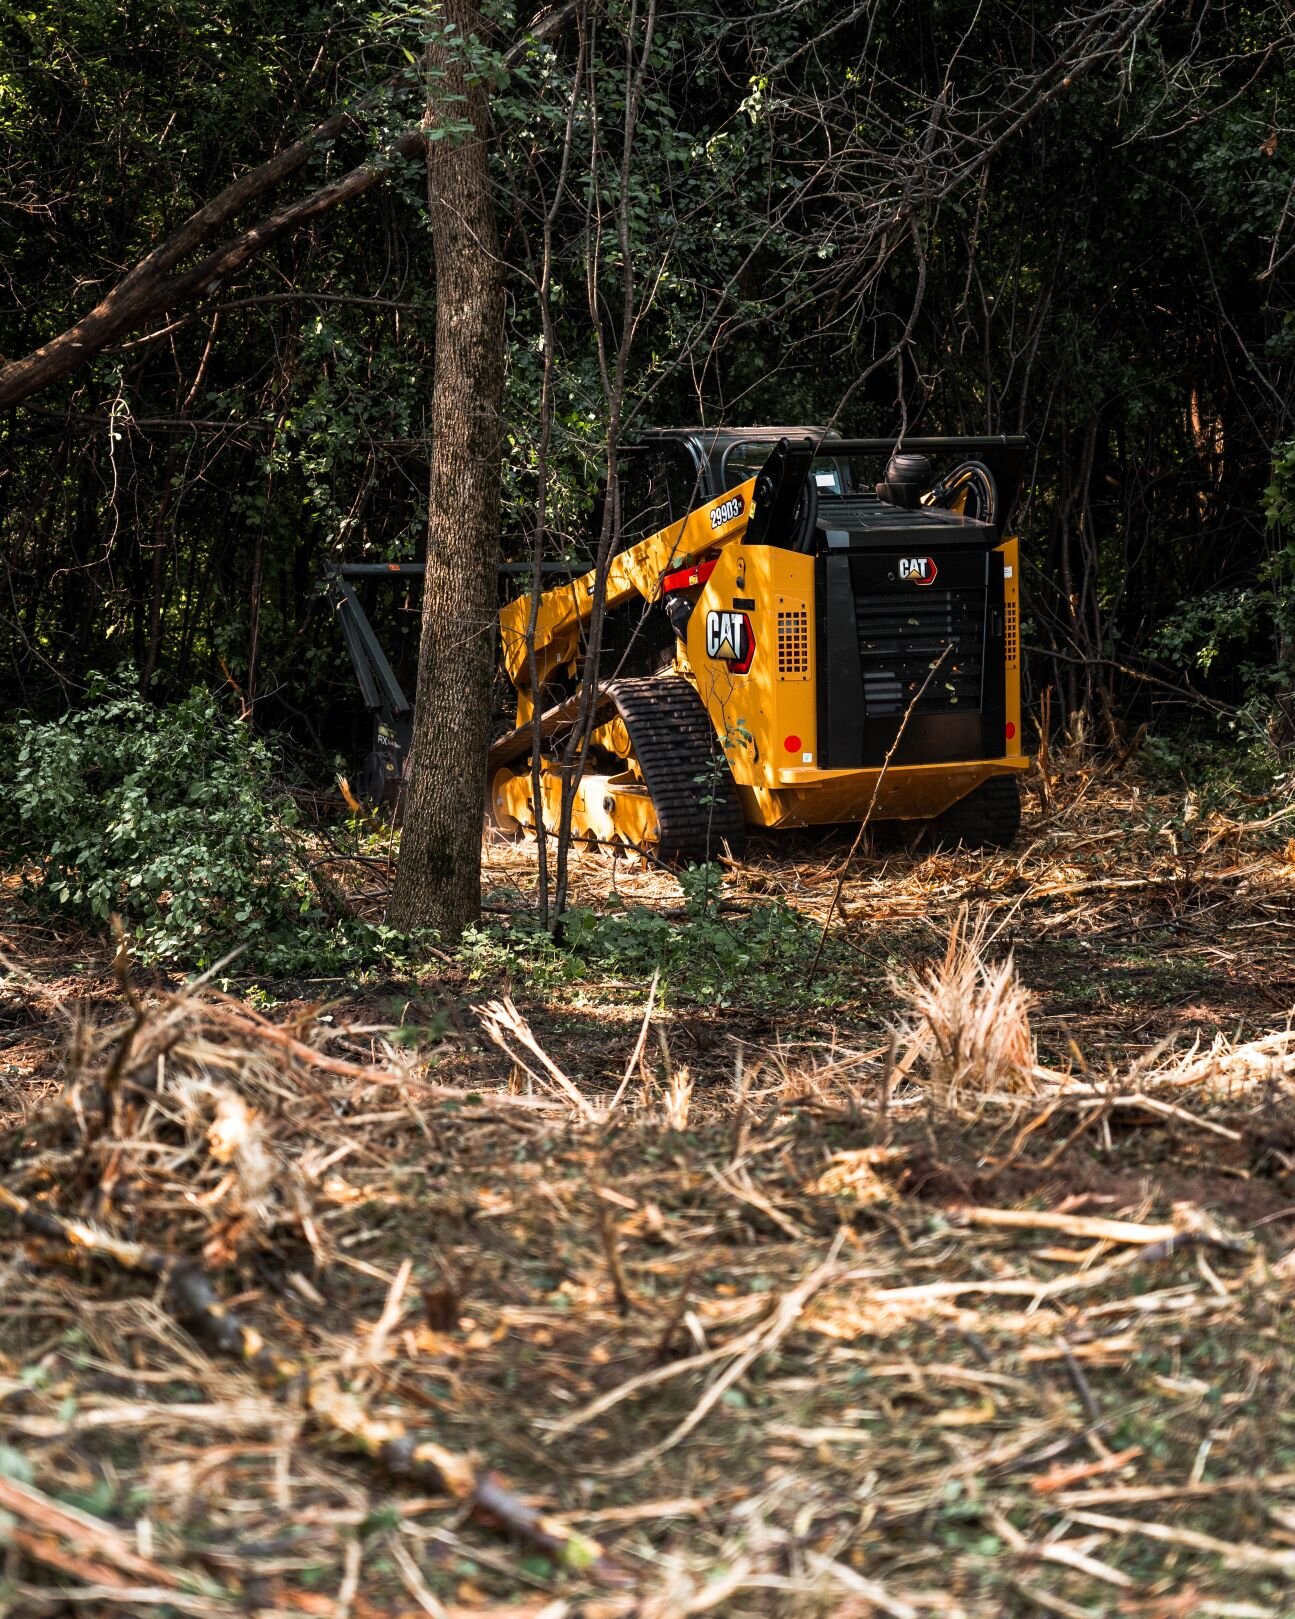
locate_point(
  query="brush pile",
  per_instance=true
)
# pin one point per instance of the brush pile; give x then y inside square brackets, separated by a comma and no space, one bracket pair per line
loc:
[949,1316]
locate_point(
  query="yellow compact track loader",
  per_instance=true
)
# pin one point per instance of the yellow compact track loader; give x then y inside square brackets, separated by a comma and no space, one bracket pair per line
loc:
[784,647]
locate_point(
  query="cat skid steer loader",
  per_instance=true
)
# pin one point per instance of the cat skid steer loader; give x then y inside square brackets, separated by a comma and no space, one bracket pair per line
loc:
[786,647]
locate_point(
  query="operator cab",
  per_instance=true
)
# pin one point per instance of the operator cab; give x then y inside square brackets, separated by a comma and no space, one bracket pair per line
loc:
[669,471]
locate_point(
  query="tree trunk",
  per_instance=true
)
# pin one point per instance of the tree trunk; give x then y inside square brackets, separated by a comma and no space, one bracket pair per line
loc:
[438,880]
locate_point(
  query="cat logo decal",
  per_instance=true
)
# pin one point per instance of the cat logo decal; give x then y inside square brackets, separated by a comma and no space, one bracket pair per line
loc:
[731,640]
[918,570]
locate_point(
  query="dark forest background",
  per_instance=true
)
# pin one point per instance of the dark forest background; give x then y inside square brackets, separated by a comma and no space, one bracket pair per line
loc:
[1078,224]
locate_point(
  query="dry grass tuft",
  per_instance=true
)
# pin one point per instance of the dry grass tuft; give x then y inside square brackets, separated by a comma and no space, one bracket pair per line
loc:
[676,1103]
[966,1028]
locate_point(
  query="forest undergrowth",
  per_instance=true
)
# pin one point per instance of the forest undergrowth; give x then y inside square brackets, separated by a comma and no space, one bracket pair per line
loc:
[682,1269]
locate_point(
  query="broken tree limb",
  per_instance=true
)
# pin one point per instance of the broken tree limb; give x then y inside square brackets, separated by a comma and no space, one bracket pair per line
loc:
[155,285]
[195,1303]
[92,1536]
[152,285]
[501,1020]
[1071,1225]
[1233,1554]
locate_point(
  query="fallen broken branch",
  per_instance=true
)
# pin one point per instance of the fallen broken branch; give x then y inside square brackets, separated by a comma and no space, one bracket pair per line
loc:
[1072,1225]
[197,1306]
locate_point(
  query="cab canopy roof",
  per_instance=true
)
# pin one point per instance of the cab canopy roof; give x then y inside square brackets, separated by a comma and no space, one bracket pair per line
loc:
[709,449]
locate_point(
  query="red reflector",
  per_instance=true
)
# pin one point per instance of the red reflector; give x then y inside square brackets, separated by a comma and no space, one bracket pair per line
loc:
[1010,730]
[792,744]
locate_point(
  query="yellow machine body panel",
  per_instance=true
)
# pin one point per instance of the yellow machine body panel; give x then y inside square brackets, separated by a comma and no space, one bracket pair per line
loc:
[763,597]
[1010,550]
[751,654]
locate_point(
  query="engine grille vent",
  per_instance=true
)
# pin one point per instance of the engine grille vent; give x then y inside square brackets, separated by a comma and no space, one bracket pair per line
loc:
[1011,635]
[901,637]
[793,643]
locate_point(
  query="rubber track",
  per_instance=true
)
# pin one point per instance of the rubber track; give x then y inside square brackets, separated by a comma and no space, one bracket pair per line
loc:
[989,817]
[674,743]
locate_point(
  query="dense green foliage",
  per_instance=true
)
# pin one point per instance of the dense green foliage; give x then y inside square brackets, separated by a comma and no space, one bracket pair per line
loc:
[172,818]
[761,955]
[166,817]
[904,214]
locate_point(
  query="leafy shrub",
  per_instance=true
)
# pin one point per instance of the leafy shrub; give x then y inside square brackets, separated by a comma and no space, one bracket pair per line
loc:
[1279,497]
[1205,628]
[164,816]
[760,958]
[1219,757]
[1247,632]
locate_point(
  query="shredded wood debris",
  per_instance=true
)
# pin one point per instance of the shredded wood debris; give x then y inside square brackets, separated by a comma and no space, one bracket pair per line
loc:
[795,1317]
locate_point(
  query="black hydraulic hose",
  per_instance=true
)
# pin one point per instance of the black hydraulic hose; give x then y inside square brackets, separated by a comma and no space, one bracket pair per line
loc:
[980,484]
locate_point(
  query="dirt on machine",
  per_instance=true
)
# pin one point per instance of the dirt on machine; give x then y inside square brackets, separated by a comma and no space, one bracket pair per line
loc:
[785,644]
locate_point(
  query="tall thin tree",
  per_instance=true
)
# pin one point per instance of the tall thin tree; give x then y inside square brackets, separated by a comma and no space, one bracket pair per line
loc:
[438,881]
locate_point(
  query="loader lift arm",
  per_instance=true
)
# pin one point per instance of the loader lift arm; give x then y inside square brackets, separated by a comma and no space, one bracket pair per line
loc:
[639,571]
[564,609]
[748,511]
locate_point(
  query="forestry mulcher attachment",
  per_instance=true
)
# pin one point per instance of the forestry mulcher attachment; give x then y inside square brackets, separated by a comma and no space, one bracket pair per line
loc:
[785,648]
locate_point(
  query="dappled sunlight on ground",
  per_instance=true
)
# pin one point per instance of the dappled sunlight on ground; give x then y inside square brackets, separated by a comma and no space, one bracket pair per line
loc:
[767,1308]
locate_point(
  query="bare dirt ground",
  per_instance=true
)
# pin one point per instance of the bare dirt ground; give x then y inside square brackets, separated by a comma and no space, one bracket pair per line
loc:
[746,1303]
